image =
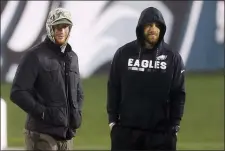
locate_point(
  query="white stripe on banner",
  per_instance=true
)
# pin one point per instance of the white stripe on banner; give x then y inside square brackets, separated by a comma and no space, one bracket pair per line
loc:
[7,15]
[191,30]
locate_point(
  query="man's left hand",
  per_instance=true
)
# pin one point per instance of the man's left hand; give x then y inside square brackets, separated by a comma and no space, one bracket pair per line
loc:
[175,129]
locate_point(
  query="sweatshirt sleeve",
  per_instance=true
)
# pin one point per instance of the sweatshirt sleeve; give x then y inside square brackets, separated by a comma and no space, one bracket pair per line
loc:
[22,86]
[177,93]
[114,88]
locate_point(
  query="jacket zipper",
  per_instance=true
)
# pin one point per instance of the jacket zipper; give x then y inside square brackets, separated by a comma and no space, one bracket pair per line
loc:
[67,92]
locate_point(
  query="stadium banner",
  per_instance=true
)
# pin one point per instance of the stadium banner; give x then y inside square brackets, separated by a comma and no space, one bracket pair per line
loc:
[194,28]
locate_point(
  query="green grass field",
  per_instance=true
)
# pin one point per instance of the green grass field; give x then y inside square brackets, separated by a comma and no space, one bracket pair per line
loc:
[202,126]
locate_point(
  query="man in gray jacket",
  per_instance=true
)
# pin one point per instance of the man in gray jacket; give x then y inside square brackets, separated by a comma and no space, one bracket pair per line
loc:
[47,87]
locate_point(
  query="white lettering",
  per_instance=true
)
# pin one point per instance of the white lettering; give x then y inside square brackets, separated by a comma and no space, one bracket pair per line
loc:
[141,69]
[130,61]
[157,64]
[163,65]
[144,63]
[151,64]
[137,63]
[134,68]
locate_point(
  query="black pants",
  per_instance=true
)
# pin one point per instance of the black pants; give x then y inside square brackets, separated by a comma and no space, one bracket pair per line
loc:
[123,138]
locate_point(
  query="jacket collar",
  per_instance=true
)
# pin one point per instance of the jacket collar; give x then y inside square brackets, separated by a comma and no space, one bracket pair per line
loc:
[56,48]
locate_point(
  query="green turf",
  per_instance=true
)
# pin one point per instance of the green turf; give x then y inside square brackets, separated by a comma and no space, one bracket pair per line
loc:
[201,128]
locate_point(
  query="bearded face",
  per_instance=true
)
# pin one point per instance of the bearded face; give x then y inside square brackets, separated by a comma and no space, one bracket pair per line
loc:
[151,33]
[61,33]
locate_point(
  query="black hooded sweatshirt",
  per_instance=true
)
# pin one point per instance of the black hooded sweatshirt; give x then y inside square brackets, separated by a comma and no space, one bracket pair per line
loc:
[146,87]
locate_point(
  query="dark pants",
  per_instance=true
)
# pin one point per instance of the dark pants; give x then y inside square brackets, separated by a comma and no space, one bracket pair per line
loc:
[39,141]
[123,138]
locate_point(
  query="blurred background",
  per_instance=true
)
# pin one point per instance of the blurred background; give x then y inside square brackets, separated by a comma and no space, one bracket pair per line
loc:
[194,28]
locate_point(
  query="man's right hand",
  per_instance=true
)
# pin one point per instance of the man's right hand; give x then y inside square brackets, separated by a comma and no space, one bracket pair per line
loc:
[111,125]
[54,116]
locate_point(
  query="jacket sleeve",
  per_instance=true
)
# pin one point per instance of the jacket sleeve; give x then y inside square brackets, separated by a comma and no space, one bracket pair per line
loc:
[22,93]
[113,89]
[80,94]
[177,93]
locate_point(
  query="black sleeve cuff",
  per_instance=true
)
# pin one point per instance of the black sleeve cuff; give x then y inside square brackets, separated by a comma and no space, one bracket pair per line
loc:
[175,122]
[38,111]
[113,118]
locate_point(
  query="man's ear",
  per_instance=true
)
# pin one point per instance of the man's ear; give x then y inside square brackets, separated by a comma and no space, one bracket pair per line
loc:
[70,27]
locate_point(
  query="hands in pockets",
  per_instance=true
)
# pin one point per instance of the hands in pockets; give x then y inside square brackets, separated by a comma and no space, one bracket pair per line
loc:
[76,118]
[171,141]
[55,116]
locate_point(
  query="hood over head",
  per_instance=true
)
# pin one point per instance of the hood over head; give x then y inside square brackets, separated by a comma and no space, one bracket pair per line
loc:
[148,16]
[58,16]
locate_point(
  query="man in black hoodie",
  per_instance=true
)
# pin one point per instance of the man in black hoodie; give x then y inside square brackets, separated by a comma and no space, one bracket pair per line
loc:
[146,93]
[47,87]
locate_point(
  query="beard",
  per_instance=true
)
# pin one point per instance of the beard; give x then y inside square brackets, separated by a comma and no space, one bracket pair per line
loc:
[61,41]
[151,39]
